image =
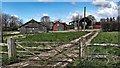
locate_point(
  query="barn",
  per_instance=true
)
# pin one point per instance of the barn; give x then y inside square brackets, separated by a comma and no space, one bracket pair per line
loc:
[33,26]
[59,26]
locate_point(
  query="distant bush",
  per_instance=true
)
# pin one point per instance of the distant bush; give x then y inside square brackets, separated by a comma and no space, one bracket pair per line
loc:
[110,26]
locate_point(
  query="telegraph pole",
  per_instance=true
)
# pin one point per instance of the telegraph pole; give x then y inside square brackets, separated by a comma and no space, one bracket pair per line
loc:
[78,23]
[1,31]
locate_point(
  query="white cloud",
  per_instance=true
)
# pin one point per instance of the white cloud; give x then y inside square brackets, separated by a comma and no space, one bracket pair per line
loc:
[15,16]
[73,14]
[104,3]
[105,9]
[109,12]
[45,14]
[93,13]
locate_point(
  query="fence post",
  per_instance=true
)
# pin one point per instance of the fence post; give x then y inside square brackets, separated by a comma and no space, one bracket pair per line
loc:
[79,44]
[84,47]
[11,47]
[81,48]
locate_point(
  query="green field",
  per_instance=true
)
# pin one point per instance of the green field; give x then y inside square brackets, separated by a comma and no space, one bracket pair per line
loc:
[52,37]
[103,37]
[100,63]
[103,50]
[107,37]
[43,37]
[95,63]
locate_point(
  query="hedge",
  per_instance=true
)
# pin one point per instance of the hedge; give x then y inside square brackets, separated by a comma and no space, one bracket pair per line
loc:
[110,26]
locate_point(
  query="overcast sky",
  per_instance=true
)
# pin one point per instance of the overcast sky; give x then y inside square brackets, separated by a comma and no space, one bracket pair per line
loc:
[59,9]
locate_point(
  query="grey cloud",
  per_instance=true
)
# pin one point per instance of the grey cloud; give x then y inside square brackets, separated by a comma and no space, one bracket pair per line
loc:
[102,4]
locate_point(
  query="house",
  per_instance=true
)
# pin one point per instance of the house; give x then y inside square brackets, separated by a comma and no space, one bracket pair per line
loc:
[33,26]
[97,25]
[59,26]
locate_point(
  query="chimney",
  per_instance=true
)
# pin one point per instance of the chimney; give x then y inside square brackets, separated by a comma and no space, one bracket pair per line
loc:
[84,12]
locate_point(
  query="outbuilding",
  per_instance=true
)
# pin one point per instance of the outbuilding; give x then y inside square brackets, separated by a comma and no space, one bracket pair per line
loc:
[59,26]
[33,26]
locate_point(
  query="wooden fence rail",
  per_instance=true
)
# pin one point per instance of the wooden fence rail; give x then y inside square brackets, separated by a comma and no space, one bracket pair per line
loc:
[81,45]
[28,42]
[108,44]
[81,48]
[81,42]
[12,45]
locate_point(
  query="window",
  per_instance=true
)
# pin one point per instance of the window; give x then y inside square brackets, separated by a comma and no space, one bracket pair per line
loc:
[58,24]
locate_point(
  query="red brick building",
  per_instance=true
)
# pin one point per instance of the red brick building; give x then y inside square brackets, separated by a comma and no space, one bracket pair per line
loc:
[59,26]
[96,25]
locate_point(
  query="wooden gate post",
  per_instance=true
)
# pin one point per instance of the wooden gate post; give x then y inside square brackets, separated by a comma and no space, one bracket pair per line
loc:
[79,44]
[81,47]
[11,47]
[84,47]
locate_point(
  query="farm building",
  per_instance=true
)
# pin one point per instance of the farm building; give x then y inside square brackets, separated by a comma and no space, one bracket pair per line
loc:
[97,25]
[59,26]
[79,23]
[33,26]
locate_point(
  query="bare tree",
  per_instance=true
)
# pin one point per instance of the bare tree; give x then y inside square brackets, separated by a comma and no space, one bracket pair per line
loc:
[76,21]
[11,22]
[46,21]
[20,22]
[5,20]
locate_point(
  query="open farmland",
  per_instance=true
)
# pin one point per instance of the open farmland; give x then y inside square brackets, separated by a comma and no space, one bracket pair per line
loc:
[111,52]
[107,37]
[52,37]
[103,50]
